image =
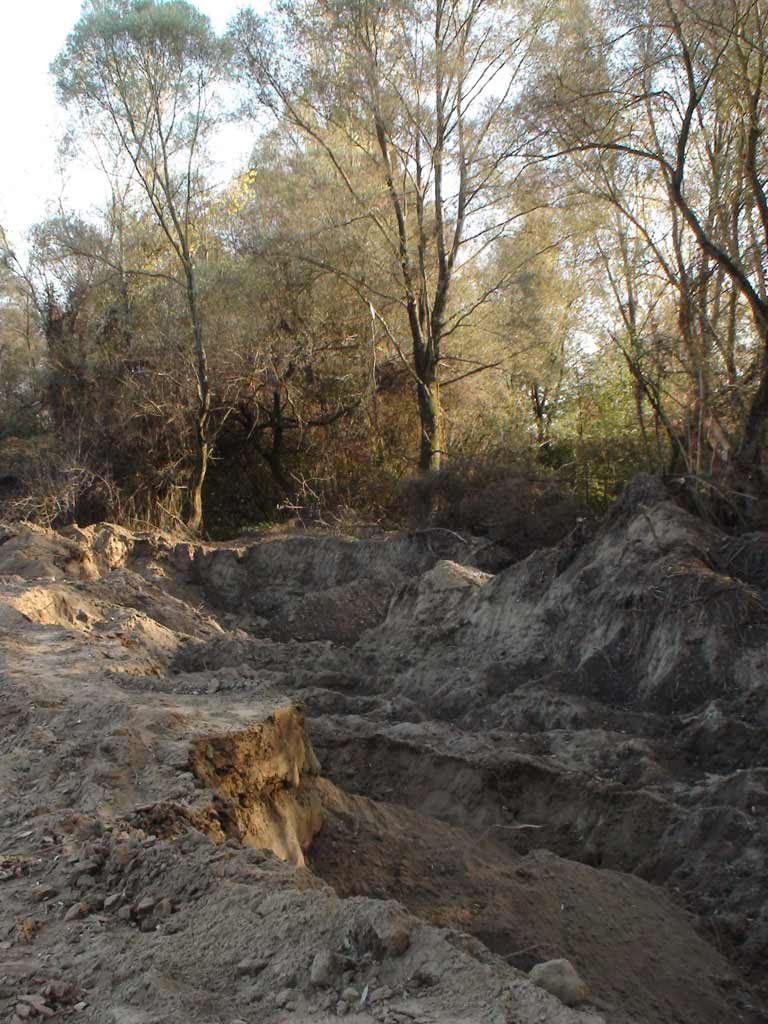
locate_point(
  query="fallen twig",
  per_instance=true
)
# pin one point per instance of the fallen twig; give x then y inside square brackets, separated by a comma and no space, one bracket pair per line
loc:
[507,828]
[525,949]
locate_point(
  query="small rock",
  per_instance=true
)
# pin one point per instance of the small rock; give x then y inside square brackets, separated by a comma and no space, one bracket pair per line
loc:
[250,968]
[124,913]
[283,997]
[60,991]
[323,970]
[350,996]
[560,978]
[123,855]
[113,902]
[37,1005]
[43,893]
[23,1011]
[426,976]
[86,867]
[164,908]
[145,906]
[394,938]
[342,1009]
[79,1007]
[75,911]
[380,994]
[83,882]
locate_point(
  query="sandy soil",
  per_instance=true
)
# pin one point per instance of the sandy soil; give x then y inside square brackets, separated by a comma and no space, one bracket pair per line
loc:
[310,776]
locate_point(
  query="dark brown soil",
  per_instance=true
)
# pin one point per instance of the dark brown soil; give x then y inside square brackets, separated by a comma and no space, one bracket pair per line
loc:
[639,954]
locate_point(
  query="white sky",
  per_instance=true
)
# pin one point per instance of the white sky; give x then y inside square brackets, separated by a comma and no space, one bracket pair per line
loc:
[31,123]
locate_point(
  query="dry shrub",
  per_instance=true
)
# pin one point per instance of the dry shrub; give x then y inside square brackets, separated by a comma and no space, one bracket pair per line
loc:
[746,558]
[54,485]
[717,600]
[517,507]
[641,493]
[733,501]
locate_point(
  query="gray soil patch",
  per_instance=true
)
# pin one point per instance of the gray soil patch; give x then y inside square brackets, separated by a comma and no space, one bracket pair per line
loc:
[310,776]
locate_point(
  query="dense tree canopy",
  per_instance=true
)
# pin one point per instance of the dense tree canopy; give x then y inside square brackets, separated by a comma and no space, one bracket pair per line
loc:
[142,75]
[471,233]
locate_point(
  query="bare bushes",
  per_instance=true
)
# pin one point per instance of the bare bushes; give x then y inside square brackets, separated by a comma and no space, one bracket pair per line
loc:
[695,591]
[746,558]
[55,485]
[516,506]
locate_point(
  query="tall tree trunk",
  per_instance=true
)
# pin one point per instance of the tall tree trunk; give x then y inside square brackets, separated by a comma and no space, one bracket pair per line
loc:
[751,449]
[537,404]
[199,471]
[202,415]
[431,448]
[274,455]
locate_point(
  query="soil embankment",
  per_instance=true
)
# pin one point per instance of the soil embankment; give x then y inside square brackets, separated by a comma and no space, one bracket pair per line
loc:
[311,776]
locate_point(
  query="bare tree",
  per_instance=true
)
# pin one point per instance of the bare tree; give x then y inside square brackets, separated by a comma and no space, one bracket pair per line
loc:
[409,104]
[682,88]
[142,74]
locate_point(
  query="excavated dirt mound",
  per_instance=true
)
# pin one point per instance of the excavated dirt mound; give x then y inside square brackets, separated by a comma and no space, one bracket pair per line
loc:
[528,908]
[310,776]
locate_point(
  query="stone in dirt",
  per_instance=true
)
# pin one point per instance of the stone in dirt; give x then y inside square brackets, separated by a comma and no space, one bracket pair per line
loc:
[75,911]
[283,997]
[37,1005]
[145,906]
[380,994]
[44,892]
[324,969]
[250,967]
[560,978]
[61,992]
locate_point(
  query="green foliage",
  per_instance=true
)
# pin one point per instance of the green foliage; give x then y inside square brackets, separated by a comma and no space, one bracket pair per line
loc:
[492,271]
[120,45]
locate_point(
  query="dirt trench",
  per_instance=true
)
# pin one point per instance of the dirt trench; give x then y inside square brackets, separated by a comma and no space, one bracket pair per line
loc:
[265,781]
[362,731]
[641,955]
[455,724]
[638,953]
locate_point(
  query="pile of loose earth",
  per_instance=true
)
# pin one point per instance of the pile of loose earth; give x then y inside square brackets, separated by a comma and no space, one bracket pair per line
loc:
[311,776]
